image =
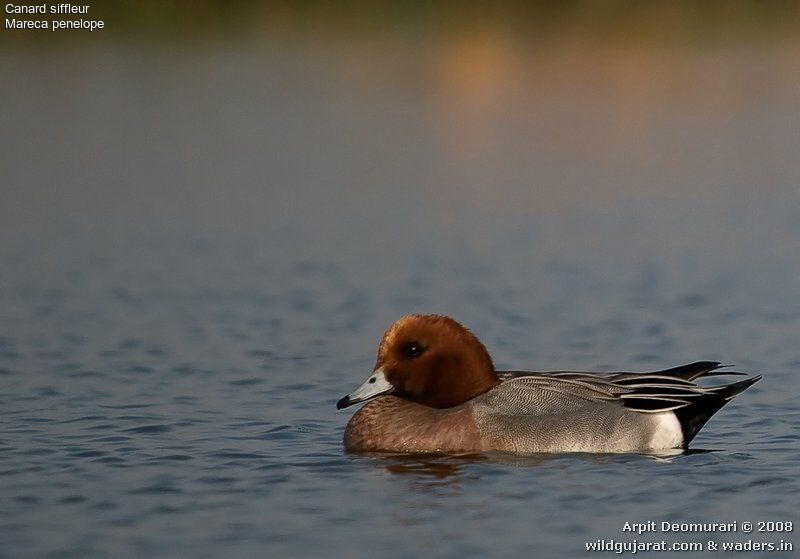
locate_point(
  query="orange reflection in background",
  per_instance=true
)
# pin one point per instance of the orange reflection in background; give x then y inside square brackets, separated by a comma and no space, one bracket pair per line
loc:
[521,125]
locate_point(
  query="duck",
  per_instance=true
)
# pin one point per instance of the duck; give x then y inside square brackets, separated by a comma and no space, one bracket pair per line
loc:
[434,389]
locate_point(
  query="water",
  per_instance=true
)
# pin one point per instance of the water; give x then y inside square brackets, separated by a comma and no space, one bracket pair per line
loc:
[202,246]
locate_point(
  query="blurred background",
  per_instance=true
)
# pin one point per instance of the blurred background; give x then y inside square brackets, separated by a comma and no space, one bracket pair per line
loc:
[247,147]
[212,210]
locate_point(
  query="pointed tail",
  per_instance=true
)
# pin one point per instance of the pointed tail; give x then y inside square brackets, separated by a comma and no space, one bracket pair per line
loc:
[695,415]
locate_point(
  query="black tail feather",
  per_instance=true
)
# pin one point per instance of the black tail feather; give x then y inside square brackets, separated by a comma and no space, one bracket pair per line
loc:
[693,371]
[730,390]
[695,415]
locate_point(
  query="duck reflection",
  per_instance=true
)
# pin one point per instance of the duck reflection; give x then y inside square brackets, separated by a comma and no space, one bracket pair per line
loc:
[435,470]
[454,470]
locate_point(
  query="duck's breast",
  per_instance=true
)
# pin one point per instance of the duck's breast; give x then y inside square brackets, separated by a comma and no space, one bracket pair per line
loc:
[391,424]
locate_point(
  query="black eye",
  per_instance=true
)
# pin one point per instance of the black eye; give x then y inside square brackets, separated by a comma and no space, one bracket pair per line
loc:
[413,349]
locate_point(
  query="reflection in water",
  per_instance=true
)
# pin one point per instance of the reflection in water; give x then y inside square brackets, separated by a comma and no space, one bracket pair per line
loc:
[435,483]
[433,471]
[441,470]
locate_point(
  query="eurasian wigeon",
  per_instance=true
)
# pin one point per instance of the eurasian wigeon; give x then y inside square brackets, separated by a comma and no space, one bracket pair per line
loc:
[435,389]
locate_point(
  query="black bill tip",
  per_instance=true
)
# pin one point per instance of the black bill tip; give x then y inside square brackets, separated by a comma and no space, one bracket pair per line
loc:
[344,402]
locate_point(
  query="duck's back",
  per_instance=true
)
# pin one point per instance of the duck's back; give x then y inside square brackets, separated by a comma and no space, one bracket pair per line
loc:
[541,413]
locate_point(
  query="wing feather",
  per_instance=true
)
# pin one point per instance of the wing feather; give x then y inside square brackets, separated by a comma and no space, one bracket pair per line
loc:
[660,391]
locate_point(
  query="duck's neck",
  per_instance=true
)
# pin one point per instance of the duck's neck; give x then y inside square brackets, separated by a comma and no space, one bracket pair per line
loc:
[454,385]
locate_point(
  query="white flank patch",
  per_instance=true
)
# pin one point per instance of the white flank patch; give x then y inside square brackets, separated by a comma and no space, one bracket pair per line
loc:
[667,432]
